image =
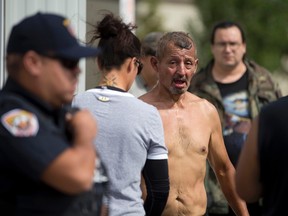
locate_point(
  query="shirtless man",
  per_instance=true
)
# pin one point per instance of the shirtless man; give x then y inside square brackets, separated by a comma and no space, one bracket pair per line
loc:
[192,131]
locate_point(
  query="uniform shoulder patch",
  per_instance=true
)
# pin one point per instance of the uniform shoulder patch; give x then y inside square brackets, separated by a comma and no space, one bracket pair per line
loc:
[20,123]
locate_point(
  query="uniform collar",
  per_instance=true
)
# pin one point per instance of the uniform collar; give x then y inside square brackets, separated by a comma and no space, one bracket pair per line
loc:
[14,87]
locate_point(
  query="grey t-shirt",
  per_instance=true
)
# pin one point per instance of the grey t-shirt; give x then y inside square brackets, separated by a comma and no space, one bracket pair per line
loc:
[129,132]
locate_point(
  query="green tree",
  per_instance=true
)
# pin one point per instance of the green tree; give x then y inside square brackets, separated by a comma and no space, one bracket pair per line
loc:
[149,21]
[264,22]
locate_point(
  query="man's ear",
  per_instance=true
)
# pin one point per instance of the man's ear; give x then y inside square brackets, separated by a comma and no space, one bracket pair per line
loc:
[154,63]
[32,63]
[196,65]
[245,47]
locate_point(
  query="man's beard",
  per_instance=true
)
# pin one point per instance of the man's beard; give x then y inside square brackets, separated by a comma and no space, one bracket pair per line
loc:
[176,91]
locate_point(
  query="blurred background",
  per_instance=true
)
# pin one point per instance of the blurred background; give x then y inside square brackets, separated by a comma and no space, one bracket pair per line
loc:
[264,22]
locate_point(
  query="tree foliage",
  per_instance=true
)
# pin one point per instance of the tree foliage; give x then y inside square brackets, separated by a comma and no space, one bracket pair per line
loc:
[150,20]
[264,22]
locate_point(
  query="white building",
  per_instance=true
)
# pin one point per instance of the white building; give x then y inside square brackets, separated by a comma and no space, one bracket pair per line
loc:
[175,16]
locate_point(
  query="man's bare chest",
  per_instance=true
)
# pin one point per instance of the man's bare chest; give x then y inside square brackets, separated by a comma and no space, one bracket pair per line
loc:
[184,132]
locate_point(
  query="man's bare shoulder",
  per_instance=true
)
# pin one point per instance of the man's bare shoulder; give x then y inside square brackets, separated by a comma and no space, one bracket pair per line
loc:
[202,103]
[191,101]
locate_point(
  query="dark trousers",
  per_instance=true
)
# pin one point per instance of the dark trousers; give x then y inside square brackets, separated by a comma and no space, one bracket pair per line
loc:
[253,208]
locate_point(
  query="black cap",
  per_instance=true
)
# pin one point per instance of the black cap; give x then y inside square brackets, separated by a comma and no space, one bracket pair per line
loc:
[47,34]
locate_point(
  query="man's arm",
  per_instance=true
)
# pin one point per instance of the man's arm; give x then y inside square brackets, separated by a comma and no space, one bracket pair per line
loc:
[155,173]
[223,167]
[72,171]
[247,176]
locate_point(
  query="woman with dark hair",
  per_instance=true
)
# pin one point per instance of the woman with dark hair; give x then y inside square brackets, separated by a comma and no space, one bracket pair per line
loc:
[130,138]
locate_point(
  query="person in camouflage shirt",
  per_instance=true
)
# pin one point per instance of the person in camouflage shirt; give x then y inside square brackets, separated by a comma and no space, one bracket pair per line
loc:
[238,88]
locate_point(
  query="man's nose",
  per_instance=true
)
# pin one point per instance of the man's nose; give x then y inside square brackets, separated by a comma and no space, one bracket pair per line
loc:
[181,68]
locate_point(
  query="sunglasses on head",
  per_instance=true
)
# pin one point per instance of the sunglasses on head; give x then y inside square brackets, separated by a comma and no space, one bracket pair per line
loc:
[140,66]
[66,63]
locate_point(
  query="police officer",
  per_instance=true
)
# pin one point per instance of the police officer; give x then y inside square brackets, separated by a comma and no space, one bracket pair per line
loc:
[47,158]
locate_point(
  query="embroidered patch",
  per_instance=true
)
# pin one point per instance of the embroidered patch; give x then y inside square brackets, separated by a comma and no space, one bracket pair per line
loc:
[20,123]
[103,98]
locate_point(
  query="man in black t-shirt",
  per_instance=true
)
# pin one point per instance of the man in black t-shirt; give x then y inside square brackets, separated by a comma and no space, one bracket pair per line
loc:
[238,88]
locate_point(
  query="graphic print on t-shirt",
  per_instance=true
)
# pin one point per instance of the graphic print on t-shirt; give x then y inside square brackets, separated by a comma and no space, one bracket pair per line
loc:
[237,123]
[237,111]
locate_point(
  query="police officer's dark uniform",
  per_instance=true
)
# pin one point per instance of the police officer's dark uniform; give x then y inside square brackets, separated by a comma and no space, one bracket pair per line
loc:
[32,135]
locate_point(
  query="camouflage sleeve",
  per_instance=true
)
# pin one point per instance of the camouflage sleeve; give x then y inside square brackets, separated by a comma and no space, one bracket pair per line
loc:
[267,88]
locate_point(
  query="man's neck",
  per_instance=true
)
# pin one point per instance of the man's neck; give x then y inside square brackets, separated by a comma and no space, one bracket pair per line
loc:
[147,83]
[169,98]
[228,74]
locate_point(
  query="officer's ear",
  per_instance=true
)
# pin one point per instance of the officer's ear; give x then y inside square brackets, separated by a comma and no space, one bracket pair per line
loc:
[32,63]
[99,64]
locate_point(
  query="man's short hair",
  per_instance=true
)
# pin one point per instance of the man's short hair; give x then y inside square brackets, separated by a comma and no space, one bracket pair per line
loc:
[225,25]
[149,43]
